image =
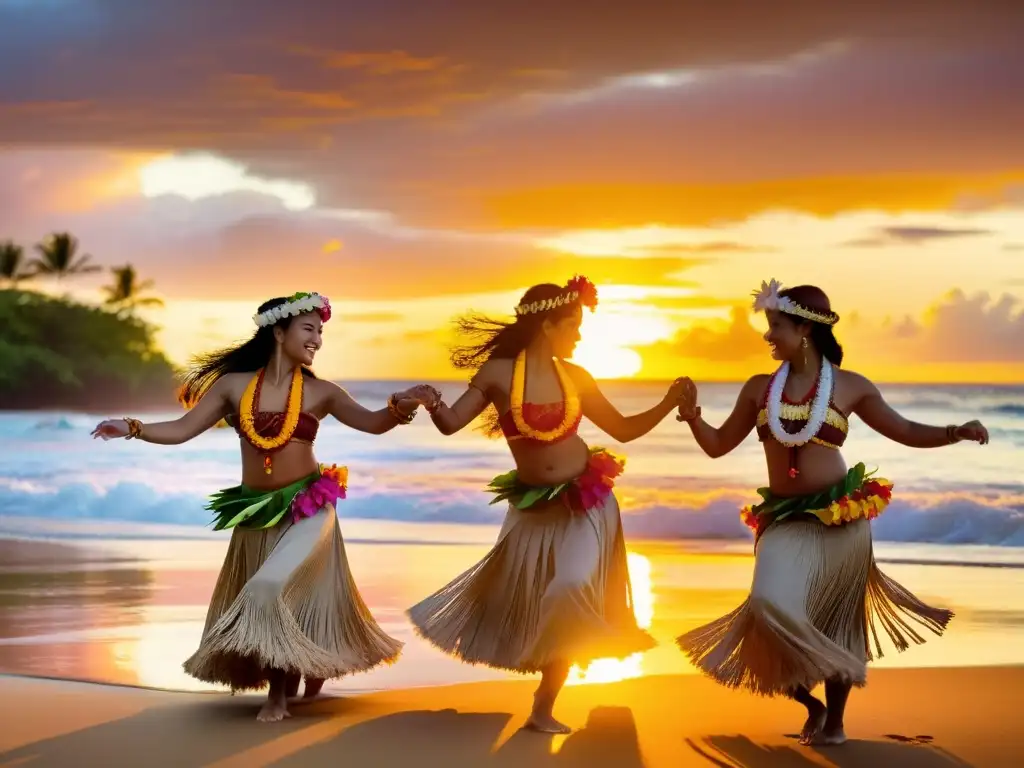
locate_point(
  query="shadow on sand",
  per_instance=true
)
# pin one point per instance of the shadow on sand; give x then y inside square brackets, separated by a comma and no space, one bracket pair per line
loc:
[733,751]
[449,739]
[201,733]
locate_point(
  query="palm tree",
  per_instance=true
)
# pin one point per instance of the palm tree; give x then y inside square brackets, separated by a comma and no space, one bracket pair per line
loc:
[12,257]
[58,257]
[126,291]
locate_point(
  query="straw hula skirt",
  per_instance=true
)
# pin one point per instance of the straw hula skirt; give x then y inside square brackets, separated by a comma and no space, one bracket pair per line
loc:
[818,598]
[285,598]
[554,588]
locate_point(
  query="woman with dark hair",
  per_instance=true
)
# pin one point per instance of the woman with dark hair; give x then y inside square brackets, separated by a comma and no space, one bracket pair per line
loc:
[285,605]
[817,598]
[554,589]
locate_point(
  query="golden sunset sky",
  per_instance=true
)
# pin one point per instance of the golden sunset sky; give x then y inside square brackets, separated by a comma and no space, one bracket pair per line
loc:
[415,160]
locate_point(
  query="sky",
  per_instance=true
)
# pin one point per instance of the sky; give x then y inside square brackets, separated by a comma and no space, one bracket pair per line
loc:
[415,160]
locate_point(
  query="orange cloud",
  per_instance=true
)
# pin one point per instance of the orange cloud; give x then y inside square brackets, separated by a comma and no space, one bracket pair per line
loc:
[581,206]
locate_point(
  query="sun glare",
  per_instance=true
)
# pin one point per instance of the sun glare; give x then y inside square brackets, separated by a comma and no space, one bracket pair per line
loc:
[607,337]
[197,176]
[613,670]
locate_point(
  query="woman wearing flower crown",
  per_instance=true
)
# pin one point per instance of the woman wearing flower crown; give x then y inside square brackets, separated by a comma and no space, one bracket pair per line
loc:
[285,605]
[818,599]
[554,589]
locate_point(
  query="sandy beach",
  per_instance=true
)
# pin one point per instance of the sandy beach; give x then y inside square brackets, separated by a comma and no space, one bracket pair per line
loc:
[907,718]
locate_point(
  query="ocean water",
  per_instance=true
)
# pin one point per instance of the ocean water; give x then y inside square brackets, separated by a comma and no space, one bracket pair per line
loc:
[107,563]
[50,470]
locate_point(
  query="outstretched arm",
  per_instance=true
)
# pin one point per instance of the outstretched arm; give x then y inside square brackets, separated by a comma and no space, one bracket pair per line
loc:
[606,416]
[886,421]
[718,442]
[342,406]
[211,408]
[471,403]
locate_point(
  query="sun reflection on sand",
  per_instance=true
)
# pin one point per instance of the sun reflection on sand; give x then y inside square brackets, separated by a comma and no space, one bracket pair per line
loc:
[613,670]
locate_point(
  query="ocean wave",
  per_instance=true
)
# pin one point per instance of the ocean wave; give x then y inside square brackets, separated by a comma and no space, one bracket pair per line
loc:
[951,519]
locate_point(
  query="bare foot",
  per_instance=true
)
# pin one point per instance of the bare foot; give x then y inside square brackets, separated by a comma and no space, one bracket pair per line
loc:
[817,713]
[312,689]
[273,711]
[546,724]
[831,737]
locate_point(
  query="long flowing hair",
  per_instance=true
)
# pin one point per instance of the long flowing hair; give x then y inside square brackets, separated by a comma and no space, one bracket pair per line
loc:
[484,338]
[824,338]
[247,357]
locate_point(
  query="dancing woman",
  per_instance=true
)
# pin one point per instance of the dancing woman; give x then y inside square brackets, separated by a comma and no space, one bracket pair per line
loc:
[554,589]
[285,604]
[817,594]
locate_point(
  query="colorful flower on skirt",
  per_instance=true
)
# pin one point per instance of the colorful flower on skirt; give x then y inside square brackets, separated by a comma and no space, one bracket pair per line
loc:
[326,489]
[598,479]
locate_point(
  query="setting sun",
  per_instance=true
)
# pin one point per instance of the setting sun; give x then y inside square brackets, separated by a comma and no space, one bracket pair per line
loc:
[608,335]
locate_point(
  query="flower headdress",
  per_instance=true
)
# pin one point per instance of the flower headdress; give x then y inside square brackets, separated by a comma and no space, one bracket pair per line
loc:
[768,298]
[296,304]
[578,289]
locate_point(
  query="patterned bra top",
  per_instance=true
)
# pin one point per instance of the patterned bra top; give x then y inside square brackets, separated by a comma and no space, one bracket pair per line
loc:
[269,423]
[540,416]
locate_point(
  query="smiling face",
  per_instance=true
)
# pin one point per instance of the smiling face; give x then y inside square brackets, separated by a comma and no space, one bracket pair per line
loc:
[785,335]
[303,337]
[563,333]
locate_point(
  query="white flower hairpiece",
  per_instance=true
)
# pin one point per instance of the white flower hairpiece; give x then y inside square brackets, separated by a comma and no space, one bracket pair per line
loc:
[297,304]
[768,298]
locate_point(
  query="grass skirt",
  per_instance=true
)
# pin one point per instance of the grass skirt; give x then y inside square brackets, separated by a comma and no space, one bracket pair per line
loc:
[286,600]
[816,609]
[555,587]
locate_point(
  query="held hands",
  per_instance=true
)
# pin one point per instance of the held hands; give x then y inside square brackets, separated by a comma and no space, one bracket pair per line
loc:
[427,396]
[973,431]
[408,400]
[683,394]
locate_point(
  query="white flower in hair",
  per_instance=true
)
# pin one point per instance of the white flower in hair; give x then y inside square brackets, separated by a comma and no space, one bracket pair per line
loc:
[768,297]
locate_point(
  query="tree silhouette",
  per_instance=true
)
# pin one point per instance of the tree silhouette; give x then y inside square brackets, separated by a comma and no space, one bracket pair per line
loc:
[126,291]
[58,257]
[12,263]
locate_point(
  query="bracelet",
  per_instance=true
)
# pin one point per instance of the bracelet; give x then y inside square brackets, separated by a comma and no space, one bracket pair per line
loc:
[951,437]
[396,414]
[134,428]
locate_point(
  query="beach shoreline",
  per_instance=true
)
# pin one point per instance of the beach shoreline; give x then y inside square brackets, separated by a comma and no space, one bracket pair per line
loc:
[901,719]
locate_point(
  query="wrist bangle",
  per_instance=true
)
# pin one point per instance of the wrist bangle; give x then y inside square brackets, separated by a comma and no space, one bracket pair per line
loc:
[134,428]
[951,434]
[396,414]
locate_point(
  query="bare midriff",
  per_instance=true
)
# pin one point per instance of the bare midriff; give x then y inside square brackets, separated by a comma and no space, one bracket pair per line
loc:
[820,468]
[549,463]
[293,462]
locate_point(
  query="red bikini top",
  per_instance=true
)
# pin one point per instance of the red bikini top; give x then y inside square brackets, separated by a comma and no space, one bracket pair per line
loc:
[794,416]
[540,416]
[269,423]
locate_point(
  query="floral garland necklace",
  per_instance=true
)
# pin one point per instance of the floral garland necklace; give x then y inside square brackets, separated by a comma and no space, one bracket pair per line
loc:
[248,410]
[818,410]
[570,401]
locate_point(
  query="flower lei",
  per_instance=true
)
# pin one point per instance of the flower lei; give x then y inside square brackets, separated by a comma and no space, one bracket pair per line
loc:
[247,411]
[570,400]
[296,304]
[818,410]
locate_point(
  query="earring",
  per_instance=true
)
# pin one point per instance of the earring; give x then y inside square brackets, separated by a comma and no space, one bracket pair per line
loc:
[803,344]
